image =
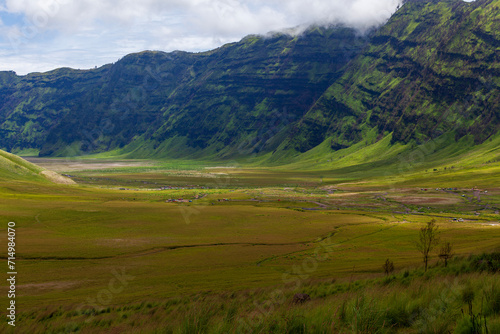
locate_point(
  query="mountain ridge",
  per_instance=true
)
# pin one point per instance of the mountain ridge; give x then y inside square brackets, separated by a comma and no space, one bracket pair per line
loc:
[160,94]
[407,65]
[431,70]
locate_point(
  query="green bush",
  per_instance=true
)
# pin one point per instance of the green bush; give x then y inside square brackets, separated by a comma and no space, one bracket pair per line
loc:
[365,317]
[494,326]
[471,325]
[295,324]
[196,321]
[400,313]
[492,300]
[464,326]
[487,262]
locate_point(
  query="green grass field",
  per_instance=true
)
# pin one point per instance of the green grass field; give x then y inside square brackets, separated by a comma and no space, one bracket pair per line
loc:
[113,255]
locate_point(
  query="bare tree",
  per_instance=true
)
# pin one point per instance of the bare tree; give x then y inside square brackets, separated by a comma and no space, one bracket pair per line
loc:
[446,252]
[428,239]
[388,267]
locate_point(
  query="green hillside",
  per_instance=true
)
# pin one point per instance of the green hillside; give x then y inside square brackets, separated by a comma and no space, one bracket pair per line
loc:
[432,69]
[13,167]
[175,104]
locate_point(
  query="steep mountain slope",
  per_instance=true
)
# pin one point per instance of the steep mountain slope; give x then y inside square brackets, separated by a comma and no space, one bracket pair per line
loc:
[257,92]
[433,68]
[177,103]
[36,107]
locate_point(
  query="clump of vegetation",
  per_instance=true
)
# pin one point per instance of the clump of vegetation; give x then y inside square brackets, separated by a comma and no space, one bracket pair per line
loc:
[388,267]
[446,252]
[441,300]
[428,239]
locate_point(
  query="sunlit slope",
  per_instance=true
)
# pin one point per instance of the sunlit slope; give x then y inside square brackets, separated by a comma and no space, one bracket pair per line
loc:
[442,158]
[13,167]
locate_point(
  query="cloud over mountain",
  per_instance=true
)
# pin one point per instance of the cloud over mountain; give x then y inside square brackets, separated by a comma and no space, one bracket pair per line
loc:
[44,34]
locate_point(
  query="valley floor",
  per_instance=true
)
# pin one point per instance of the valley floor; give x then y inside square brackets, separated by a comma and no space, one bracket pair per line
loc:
[186,247]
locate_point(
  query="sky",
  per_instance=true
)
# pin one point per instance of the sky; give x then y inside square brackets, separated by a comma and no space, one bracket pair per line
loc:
[41,35]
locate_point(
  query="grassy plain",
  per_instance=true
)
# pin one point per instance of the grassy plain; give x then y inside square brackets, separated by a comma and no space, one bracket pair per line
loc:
[112,255]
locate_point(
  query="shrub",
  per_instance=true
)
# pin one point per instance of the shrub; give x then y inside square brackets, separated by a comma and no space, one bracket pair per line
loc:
[487,262]
[492,296]
[467,296]
[364,317]
[196,322]
[295,324]
[470,325]
[494,326]
[398,315]
[464,326]
[388,267]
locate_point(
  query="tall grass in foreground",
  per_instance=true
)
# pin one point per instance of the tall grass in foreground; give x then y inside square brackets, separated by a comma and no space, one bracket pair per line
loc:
[463,297]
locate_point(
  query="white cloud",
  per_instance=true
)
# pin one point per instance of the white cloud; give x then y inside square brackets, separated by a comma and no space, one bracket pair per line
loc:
[85,33]
[360,14]
[232,17]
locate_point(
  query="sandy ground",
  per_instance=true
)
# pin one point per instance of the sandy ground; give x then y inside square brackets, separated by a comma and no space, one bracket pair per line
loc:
[56,178]
[48,285]
[421,200]
[71,165]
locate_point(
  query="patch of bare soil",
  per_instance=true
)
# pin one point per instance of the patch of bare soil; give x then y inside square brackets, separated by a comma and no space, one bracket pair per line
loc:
[119,243]
[420,200]
[56,178]
[71,165]
[48,285]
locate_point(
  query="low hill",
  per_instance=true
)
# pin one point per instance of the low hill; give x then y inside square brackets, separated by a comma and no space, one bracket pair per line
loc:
[13,167]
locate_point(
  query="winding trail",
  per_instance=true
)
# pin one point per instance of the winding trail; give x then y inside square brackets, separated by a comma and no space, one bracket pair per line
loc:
[155,250]
[160,249]
[333,244]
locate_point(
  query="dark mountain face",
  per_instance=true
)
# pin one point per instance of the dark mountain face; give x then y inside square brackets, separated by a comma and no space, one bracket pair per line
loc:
[224,99]
[433,68]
